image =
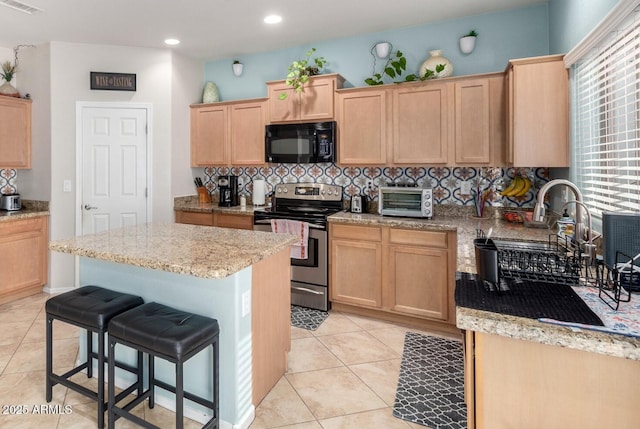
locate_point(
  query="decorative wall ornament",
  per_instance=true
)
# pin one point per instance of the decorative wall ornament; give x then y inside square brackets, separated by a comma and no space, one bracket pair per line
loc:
[237,67]
[383,49]
[468,42]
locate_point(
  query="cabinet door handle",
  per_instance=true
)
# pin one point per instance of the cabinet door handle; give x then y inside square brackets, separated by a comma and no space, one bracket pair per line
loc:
[90,207]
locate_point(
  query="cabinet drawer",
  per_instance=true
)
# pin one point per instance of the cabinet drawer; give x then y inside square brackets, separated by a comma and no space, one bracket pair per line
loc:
[194,218]
[418,238]
[354,232]
[225,220]
[13,227]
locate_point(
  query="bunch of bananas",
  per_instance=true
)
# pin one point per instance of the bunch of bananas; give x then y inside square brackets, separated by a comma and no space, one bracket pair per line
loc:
[519,187]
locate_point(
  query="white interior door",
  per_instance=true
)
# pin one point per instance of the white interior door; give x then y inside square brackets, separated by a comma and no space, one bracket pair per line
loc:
[114,168]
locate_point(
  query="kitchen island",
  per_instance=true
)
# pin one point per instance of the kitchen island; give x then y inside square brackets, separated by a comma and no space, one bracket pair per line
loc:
[241,278]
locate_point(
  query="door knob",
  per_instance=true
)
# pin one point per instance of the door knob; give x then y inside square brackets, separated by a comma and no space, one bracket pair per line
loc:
[89,207]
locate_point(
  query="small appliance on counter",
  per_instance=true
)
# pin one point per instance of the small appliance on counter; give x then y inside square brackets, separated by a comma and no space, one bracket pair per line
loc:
[358,204]
[228,191]
[10,202]
[408,201]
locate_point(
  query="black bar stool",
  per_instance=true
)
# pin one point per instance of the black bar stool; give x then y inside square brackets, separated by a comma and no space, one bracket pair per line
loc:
[170,334]
[90,308]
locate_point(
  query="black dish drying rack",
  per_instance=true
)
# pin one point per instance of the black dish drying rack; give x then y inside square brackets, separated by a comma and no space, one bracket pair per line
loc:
[616,283]
[557,261]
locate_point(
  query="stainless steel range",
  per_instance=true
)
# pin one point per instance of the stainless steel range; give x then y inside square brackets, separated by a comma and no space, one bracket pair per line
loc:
[311,203]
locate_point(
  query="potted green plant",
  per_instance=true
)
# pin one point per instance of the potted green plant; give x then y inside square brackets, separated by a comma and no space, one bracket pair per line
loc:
[237,67]
[396,65]
[8,71]
[299,71]
[468,42]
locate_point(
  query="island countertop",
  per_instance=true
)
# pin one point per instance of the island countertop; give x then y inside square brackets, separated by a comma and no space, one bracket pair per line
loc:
[200,251]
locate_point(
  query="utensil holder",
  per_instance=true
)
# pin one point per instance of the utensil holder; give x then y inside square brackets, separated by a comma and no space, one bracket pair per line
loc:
[204,197]
[487,260]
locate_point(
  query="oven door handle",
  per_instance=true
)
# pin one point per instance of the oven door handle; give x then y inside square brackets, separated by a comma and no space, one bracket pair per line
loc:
[268,222]
[304,289]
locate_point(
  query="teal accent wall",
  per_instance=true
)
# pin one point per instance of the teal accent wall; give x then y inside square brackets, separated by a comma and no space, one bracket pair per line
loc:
[515,33]
[571,20]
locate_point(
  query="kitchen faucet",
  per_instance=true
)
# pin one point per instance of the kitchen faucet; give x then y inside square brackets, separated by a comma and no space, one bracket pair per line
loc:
[539,211]
[589,249]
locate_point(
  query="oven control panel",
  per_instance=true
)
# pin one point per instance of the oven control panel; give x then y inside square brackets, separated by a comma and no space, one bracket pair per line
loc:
[309,191]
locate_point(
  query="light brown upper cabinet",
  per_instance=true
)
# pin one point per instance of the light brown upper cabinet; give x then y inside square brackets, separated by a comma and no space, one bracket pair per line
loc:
[15,132]
[420,123]
[314,104]
[230,133]
[538,112]
[362,126]
[478,137]
[456,121]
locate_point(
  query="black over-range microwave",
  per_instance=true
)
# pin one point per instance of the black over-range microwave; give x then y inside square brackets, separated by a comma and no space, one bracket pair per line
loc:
[301,143]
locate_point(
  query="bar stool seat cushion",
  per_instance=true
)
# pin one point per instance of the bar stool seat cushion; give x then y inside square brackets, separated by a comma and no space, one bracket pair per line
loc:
[91,305]
[164,330]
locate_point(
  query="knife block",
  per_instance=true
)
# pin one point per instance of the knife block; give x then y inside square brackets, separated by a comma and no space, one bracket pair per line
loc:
[204,197]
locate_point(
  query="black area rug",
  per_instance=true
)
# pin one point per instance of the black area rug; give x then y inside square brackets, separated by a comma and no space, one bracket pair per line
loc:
[431,384]
[307,318]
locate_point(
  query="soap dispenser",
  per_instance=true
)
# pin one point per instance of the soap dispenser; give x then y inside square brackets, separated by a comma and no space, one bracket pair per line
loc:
[566,226]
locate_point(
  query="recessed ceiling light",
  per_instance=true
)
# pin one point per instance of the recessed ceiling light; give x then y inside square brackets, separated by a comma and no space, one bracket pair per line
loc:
[273,19]
[171,41]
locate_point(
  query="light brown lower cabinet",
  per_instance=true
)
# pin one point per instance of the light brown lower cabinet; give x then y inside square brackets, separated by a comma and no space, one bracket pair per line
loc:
[393,271]
[512,383]
[222,220]
[24,261]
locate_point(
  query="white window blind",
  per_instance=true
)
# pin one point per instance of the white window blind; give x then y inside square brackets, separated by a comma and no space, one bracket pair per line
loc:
[606,121]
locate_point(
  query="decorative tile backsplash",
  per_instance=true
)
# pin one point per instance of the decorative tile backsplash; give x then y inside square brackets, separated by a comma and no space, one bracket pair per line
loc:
[8,181]
[445,181]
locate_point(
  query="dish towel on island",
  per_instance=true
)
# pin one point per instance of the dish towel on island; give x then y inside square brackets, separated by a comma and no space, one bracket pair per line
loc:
[297,228]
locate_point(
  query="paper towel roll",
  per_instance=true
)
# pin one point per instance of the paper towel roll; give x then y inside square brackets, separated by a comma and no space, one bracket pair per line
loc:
[259,191]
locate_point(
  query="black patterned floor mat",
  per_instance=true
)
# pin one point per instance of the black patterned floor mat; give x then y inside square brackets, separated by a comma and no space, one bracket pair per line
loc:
[307,318]
[431,383]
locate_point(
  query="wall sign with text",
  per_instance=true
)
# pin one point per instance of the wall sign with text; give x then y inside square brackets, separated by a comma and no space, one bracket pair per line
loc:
[113,81]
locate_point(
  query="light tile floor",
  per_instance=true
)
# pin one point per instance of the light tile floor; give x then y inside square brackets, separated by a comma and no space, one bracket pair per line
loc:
[341,376]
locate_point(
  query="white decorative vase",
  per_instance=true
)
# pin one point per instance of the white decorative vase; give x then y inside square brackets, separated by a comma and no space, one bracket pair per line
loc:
[467,44]
[9,90]
[434,60]
[210,93]
[237,68]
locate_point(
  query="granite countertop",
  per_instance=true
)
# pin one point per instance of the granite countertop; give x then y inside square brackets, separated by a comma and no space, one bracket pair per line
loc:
[30,209]
[465,226]
[201,251]
[191,203]
[521,328]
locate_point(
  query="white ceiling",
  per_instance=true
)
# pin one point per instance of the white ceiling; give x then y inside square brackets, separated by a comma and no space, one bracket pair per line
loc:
[216,29]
